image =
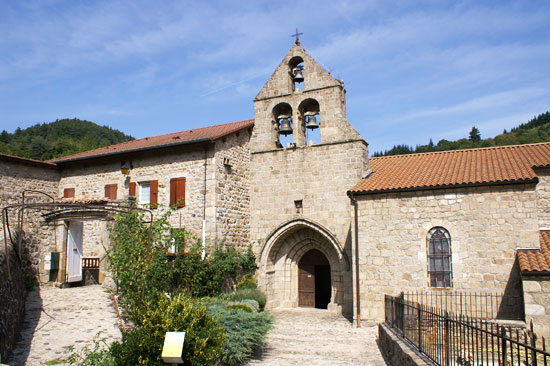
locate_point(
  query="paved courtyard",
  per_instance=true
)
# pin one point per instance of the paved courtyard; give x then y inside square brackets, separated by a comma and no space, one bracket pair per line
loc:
[58,318]
[312,337]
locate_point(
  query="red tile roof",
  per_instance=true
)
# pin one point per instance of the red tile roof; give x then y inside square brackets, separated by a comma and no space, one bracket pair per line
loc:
[20,159]
[172,139]
[493,165]
[536,260]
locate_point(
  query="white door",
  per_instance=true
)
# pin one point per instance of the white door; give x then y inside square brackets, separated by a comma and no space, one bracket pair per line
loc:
[74,252]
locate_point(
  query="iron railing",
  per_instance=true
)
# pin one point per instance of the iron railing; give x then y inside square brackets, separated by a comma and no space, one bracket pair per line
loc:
[472,304]
[449,339]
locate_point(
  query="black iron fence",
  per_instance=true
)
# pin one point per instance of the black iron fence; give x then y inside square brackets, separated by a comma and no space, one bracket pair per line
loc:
[472,304]
[449,339]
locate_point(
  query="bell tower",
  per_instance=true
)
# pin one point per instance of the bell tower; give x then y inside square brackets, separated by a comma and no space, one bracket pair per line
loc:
[298,188]
[299,97]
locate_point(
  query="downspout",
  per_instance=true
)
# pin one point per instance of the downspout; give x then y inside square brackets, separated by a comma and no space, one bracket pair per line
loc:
[203,254]
[356,235]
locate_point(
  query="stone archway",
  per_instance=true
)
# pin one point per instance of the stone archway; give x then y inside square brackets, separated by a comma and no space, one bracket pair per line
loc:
[280,258]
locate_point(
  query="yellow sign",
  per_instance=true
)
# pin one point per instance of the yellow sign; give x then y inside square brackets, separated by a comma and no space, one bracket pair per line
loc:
[172,351]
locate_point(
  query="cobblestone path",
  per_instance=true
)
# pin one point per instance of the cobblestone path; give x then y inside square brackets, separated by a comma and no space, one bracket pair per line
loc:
[58,318]
[312,337]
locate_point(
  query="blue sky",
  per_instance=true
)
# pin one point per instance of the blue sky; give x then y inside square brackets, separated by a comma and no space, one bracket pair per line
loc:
[412,69]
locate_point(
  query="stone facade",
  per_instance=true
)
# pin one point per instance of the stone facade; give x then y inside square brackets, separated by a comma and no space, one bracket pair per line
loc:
[543,198]
[298,196]
[12,306]
[486,225]
[16,176]
[536,292]
[232,189]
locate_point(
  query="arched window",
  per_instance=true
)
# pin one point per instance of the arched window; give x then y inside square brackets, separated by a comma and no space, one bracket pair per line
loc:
[439,257]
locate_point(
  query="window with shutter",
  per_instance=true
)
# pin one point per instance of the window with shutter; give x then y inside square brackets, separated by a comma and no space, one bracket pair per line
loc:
[154,193]
[177,192]
[68,193]
[111,191]
[439,257]
[133,189]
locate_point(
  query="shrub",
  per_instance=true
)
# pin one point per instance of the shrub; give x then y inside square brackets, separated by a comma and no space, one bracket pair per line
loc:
[244,331]
[247,293]
[143,269]
[204,338]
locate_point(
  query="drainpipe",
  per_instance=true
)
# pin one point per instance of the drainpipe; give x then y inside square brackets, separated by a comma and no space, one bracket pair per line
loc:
[356,235]
[203,254]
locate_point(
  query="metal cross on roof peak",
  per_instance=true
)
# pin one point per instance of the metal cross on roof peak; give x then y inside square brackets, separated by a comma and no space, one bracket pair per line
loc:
[297,35]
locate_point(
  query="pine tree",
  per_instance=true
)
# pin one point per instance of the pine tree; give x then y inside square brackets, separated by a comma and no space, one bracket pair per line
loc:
[475,136]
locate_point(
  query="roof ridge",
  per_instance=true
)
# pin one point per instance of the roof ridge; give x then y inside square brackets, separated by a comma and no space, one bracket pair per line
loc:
[178,132]
[128,146]
[463,150]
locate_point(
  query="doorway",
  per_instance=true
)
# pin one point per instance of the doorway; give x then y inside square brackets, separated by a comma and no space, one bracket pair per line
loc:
[74,251]
[314,280]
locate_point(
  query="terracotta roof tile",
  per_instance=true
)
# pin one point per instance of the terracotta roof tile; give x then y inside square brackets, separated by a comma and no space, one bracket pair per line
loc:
[493,165]
[171,139]
[25,160]
[536,260]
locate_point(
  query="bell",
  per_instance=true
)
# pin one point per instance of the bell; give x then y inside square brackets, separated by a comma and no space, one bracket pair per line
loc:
[312,122]
[298,75]
[285,128]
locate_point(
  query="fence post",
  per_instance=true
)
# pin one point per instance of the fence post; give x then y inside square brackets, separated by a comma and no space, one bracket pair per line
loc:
[503,341]
[533,337]
[419,327]
[447,358]
[402,311]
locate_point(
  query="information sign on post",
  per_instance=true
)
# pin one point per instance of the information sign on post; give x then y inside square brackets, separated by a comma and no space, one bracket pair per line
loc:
[172,351]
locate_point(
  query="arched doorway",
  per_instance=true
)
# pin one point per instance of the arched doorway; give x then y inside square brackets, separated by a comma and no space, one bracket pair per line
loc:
[288,251]
[314,282]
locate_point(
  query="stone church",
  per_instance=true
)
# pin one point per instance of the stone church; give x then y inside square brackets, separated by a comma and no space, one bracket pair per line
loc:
[331,228]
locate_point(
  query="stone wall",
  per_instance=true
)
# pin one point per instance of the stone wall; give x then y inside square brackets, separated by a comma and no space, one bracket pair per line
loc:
[315,178]
[12,305]
[486,225]
[536,292]
[17,175]
[543,198]
[232,189]
[398,352]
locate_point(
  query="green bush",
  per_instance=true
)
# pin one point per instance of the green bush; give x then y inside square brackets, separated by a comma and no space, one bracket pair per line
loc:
[143,269]
[247,293]
[244,331]
[204,337]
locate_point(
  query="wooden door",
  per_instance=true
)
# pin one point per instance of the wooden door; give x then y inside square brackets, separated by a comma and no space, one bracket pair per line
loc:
[306,285]
[74,252]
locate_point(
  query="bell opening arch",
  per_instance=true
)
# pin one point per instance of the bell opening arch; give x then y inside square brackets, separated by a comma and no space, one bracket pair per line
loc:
[281,267]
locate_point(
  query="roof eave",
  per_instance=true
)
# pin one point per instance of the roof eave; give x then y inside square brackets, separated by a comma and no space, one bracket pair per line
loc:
[429,188]
[173,144]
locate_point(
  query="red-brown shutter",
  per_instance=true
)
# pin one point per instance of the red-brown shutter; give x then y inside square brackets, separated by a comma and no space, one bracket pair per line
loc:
[154,193]
[180,192]
[172,191]
[68,193]
[133,189]
[111,191]
[177,191]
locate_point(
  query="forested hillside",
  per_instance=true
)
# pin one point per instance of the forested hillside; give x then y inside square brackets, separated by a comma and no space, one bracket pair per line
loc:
[536,130]
[62,137]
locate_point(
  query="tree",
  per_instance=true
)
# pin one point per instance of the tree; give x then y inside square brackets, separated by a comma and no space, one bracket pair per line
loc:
[475,136]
